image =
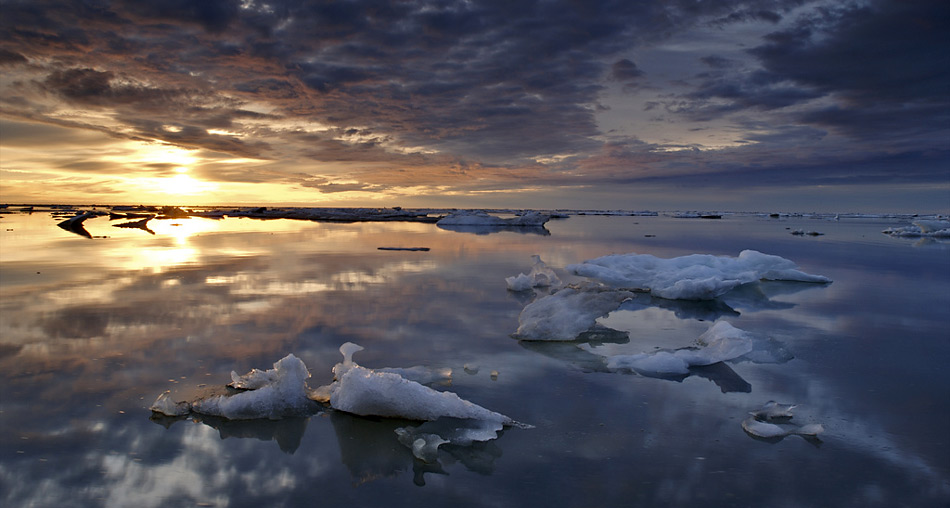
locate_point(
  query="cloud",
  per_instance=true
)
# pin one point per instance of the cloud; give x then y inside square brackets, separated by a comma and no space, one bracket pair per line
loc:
[883,57]
[401,93]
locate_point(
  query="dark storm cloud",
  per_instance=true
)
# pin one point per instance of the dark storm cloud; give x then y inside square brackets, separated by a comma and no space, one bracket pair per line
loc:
[11,58]
[885,58]
[882,65]
[460,76]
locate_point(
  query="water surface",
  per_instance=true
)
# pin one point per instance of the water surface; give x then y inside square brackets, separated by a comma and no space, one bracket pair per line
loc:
[93,330]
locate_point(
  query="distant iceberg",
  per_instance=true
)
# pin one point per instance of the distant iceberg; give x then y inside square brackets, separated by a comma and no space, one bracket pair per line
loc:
[482,218]
[480,222]
[692,277]
[540,276]
[922,228]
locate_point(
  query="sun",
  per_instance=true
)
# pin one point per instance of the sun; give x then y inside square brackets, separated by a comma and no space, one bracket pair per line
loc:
[183,185]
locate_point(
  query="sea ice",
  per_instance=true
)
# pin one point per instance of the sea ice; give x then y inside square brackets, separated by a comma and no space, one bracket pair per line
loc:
[691,277]
[425,440]
[369,392]
[421,374]
[74,224]
[567,313]
[283,392]
[482,218]
[773,410]
[540,276]
[720,343]
[769,430]
[276,393]
[925,228]
[760,423]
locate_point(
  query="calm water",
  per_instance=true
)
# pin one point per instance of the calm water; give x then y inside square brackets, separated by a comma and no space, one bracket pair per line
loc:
[93,330]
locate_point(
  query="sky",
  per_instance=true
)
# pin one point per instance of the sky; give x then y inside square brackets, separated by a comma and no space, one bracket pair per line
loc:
[758,105]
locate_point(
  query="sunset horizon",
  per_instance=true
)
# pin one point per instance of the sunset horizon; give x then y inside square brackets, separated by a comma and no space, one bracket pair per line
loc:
[745,106]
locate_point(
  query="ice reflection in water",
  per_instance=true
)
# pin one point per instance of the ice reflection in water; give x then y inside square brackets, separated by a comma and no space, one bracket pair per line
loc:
[87,344]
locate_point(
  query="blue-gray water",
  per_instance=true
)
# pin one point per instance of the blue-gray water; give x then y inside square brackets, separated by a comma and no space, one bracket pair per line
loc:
[93,330]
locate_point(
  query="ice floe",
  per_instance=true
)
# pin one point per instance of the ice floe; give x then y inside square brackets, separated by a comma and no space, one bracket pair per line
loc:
[282,392]
[482,218]
[276,393]
[691,277]
[540,276]
[722,342]
[368,392]
[480,222]
[759,428]
[75,224]
[772,422]
[425,440]
[922,228]
[566,314]
[773,410]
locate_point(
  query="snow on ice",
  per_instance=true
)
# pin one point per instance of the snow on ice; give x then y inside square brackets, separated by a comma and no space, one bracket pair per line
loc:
[482,218]
[540,276]
[771,422]
[922,228]
[567,313]
[720,343]
[282,392]
[275,393]
[691,277]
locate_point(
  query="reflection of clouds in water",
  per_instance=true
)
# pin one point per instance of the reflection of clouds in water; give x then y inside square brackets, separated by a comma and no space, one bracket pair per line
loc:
[204,469]
[106,336]
[867,438]
[185,477]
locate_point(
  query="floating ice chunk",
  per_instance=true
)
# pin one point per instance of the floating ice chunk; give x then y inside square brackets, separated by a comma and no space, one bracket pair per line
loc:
[367,392]
[926,228]
[276,393]
[660,362]
[520,282]
[722,342]
[74,224]
[425,447]
[767,350]
[692,277]
[567,313]
[768,430]
[165,405]
[425,439]
[421,374]
[482,218]
[253,380]
[773,410]
[540,276]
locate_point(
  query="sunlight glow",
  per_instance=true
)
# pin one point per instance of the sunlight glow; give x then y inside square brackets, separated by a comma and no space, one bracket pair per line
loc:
[183,185]
[182,229]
